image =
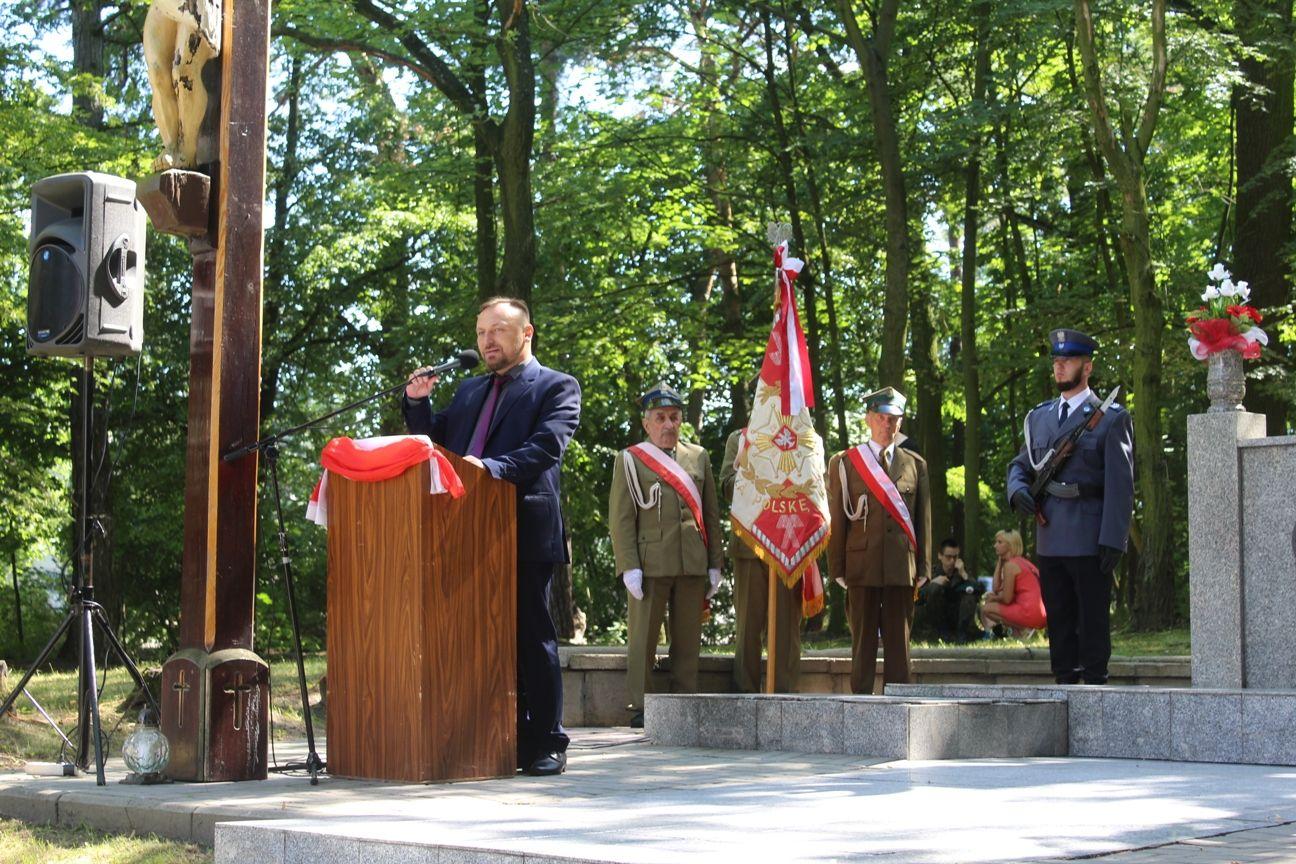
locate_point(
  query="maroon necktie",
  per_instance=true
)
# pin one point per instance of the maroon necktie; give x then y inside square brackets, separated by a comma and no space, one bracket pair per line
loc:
[478,444]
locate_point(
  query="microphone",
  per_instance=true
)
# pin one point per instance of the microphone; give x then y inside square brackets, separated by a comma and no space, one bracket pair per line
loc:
[467,359]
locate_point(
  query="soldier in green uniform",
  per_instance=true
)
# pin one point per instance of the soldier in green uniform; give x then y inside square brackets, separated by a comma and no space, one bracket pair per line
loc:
[881,535]
[751,605]
[666,537]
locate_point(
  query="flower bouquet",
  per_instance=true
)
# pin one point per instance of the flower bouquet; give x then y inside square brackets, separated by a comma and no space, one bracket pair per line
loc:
[1225,323]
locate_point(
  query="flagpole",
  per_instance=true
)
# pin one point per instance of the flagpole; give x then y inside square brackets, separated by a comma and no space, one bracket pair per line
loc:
[771,631]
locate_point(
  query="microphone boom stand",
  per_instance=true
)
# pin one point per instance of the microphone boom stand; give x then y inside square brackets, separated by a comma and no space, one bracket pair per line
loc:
[269,446]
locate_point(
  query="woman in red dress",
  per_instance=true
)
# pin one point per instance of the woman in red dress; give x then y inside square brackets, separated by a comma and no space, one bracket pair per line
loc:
[1014,599]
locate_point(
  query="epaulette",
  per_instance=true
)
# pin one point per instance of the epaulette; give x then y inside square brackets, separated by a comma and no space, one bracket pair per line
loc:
[1041,405]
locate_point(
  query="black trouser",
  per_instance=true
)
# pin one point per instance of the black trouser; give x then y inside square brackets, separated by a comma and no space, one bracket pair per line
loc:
[948,611]
[1077,599]
[539,681]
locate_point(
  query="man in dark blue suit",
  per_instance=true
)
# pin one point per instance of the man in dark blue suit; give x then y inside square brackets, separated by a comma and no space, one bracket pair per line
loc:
[516,423]
[1088,508]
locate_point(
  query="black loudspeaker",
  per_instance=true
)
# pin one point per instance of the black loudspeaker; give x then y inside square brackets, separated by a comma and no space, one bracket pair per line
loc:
[85,287]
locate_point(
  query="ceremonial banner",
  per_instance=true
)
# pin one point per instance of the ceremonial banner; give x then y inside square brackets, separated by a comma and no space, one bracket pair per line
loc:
[780,500]
[382,458]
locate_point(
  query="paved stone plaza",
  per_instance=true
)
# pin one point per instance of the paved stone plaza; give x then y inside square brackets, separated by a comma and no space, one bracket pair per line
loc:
[625,799]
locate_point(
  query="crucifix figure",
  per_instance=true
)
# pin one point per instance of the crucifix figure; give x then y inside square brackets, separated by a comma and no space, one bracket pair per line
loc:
[217,203]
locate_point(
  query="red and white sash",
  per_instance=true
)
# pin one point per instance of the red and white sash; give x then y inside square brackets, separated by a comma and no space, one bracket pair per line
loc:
[883,489]
[657,461]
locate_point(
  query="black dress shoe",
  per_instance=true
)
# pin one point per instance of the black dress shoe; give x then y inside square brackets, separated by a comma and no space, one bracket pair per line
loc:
[1067,679]
[548,764]
[636,722]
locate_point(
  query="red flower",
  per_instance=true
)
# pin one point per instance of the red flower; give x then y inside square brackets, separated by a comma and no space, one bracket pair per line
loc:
[1217,334]
[1244,312]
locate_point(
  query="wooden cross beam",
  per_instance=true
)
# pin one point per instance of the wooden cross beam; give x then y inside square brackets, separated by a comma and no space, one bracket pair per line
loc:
[219,206]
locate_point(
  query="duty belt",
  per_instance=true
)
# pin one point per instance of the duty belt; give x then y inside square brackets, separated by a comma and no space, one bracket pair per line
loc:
[1074,490]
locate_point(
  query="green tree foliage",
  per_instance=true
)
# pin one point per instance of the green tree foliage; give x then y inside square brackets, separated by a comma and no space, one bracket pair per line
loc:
[663,137]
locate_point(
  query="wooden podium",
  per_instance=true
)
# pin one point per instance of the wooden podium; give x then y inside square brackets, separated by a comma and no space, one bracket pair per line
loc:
[422,628]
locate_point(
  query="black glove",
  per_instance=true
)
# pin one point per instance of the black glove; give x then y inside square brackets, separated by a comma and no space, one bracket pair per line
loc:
[1108,558]
[1023,503]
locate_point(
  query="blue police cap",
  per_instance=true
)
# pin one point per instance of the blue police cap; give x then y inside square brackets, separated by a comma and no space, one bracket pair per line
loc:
[1071,343]
[888,400]
[660,396]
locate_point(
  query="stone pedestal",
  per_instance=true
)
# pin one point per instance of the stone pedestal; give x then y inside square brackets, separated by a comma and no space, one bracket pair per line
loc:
[1215,545]
[215,714]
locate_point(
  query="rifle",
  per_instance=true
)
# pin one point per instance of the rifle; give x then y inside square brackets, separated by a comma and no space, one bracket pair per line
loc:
[1058,456]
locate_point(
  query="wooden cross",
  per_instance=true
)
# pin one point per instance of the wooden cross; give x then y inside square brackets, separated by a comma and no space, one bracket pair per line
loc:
[218,205]
[239,691]
[181,687]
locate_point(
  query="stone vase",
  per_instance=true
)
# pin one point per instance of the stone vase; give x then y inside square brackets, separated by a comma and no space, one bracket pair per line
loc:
[1225,381]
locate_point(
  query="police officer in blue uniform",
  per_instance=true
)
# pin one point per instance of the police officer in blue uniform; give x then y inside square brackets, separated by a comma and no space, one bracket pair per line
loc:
[1088,507]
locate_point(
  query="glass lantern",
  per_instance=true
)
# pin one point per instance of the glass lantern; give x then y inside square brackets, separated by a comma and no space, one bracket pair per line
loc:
[146,750]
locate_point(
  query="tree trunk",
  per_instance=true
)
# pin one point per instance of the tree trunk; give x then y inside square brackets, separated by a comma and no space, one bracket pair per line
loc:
[88,59]
[873,54]
[276,262]
[1263,238]
[1154,603]
[968,307]
[928,423]
[821,237]
[513,159]
[806,280]
[88,109]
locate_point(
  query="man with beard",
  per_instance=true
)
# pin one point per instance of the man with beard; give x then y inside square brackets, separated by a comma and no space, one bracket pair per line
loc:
[515,423]
[1087,509]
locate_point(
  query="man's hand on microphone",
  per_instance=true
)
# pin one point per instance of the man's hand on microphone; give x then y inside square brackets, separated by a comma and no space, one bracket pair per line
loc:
[421,384]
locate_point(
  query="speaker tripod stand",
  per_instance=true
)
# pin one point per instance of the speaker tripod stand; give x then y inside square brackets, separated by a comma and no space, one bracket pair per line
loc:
[84,613]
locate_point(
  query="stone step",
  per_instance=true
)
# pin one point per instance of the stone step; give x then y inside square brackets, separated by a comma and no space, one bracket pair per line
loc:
[885,727]
[594,677]
[935,721]
[1252,727]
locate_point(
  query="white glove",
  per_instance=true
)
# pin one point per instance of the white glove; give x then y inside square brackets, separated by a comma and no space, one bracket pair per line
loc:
[714,575]
[633,580]
[840,581]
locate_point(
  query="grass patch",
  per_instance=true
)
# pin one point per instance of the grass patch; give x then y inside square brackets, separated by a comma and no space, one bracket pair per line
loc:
[21,843]
[25,735]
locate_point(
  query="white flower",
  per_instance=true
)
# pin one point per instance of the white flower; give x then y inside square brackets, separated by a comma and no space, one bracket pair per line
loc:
[1255,334]
[1196,348]
[1218,272]
[1211,293]
[1243,291]
[1227,288]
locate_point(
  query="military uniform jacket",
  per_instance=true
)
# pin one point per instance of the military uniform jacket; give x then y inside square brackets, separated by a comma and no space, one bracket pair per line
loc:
[872,550]
[1102,466]
[737,548]
[663,540]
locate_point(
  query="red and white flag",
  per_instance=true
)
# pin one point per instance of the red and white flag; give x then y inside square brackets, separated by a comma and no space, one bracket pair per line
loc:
[382,458]
[780,501]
